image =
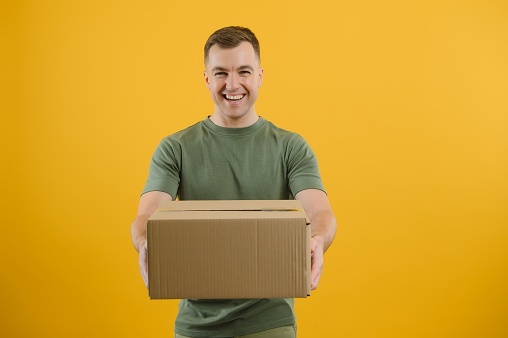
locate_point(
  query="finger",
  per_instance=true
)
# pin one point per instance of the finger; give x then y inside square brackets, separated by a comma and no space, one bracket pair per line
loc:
[143,265]
[144,272]
[145,279]
[313,246]
[317,268]
[314,284]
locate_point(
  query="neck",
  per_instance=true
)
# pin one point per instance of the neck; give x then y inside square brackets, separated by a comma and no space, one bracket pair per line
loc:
[221,120]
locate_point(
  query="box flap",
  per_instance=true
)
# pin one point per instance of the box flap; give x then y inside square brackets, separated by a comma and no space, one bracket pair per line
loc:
[223,214]
[231,205]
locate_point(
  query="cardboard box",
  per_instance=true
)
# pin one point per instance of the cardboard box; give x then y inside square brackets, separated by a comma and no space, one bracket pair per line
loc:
[229,249]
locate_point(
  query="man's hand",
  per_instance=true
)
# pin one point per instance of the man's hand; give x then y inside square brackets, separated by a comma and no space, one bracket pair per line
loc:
[322,226]
[148,205]
[143,261]
[317,260]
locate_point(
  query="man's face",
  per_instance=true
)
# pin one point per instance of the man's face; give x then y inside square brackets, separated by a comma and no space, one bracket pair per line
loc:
[233,77]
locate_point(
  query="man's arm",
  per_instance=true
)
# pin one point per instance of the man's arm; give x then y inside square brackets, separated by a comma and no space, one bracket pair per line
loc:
[323,226]
[148,205]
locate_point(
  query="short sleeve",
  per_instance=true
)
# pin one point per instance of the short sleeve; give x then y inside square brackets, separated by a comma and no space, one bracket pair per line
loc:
[164,172]
[302,166]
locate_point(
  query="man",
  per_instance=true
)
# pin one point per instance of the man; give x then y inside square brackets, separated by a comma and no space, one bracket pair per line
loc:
[236,154]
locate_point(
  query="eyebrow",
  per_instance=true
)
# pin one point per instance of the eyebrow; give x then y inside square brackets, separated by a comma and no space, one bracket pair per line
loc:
[245,67]
[222,69]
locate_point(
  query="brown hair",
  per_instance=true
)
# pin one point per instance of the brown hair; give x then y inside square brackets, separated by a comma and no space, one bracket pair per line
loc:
[231,37]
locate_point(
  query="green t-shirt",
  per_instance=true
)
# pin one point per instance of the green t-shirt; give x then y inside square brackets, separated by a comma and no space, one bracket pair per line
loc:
[208,162]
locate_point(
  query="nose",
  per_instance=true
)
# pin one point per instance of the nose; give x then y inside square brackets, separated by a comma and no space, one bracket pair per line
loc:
[232,81]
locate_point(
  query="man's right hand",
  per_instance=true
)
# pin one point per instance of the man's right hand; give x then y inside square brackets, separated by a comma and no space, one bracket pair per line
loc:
[148,205]
[143,261]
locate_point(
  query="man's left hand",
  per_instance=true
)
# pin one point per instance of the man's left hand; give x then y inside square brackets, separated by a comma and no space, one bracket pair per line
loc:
[316,254]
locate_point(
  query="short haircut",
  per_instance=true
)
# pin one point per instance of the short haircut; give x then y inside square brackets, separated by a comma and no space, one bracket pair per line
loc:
[231,37]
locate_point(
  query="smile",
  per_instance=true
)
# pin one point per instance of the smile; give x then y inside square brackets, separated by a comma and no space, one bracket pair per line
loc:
[233,97]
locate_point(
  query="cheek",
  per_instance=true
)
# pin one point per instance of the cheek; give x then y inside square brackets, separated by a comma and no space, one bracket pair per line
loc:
[216,86]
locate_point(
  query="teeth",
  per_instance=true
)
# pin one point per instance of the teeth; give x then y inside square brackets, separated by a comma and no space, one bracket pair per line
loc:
[234,97]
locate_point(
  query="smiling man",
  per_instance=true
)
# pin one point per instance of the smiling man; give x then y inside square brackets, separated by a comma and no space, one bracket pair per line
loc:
[233,77]
[235,154]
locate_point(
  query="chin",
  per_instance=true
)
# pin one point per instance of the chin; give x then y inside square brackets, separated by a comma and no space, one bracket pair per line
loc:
[234,114]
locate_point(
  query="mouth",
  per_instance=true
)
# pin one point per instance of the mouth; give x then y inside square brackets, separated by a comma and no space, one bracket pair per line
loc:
[233,98]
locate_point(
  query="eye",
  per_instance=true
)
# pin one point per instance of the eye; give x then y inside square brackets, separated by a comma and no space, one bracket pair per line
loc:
[220,74]
[244,72]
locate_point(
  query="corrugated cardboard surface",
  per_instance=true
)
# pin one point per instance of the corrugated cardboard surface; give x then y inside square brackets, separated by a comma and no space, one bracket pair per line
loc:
[229,249]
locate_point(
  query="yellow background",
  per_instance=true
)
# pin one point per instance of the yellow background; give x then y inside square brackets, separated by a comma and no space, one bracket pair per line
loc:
[404,102]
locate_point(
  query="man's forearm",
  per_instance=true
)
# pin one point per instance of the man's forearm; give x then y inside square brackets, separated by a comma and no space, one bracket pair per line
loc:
[320,214]
[138,230]
[148,205]
[323,227]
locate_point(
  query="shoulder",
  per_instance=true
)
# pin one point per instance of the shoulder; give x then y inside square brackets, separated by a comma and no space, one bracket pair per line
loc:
[292,143]
[173,144]
[183,135]
[287,136]
[190,131]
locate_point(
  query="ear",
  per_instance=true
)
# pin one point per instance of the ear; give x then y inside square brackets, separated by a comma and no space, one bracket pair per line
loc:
[260,77]
[207,79]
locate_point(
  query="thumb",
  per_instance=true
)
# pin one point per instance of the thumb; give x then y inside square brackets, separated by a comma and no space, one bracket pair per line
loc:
[313,246]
